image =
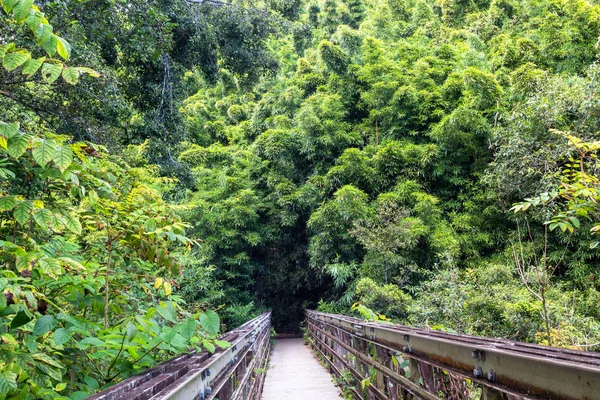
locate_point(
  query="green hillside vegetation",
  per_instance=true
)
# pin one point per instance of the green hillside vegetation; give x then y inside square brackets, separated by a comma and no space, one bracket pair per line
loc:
[170,169]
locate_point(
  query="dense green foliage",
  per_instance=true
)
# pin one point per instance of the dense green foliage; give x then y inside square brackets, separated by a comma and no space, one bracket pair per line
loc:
[433,162]
[389,150]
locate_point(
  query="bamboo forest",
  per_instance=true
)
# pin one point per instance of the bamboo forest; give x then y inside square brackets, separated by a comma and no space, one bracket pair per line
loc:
[170,169]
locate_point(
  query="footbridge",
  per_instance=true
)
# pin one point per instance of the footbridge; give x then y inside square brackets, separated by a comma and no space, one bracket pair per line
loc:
[341,356]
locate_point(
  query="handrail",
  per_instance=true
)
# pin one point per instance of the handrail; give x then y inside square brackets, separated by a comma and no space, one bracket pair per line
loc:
[398,362]
[230,374]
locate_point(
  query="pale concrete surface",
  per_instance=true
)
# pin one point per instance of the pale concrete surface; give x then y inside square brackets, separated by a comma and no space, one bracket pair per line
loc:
[296,374]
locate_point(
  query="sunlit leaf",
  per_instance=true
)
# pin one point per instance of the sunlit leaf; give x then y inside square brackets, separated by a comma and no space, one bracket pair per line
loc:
[17,145]
[8,382]
[63,157]
[168,288]
[15,59]
[22,212]
[32,66]
[71,75]
[51,72]
[208,346]
[8,5]
[64,50]
[21,9]
[9,130]
[158,283]
[72,223]
[223,344]
[43,217]
[7,203]
[44,151]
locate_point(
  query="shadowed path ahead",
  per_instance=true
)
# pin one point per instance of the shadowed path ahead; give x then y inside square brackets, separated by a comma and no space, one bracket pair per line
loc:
[296,374]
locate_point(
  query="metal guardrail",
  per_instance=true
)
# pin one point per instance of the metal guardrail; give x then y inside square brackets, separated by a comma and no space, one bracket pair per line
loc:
[236,373]
[385,361]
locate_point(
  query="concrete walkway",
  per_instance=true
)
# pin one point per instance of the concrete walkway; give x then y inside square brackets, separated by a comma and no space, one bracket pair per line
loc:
[296,374]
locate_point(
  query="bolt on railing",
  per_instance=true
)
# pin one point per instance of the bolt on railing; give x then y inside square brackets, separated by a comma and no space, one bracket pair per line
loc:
[235,373]
[374,360]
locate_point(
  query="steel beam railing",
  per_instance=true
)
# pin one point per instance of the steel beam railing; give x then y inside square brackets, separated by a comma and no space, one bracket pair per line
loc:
[375,360]
[236,373]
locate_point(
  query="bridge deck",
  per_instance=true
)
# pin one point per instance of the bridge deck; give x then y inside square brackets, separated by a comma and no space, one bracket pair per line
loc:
[296,374]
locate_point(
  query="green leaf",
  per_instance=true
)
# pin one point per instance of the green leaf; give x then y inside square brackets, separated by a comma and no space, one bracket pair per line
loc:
[44,325]
[15,59]
[89,71]
[223,344]
[187,329]
[150,225]
[34,19]
[8,5]
[20,319]
[208,346]
[131,331]
[91,382]
[64,48]
[210,322]
[71,263]
[49,266]
[51,72]
[43,33]
[46,359]
[72,223]
[17,145]
[8,382]
[63,157]
[575,222]
[168,335]
[9,130]
[44,152]
[90,341]
[60,387]
[32,66]
[7,203]
[43,217]
[21,10]
[61,336]
[22,212]
[71,75]
[168,288]
[80,395]
[50,45]
[166,312]
[7,338]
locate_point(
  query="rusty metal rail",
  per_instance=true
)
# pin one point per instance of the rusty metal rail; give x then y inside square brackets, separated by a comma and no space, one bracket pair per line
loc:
[236,373]
[385,361]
